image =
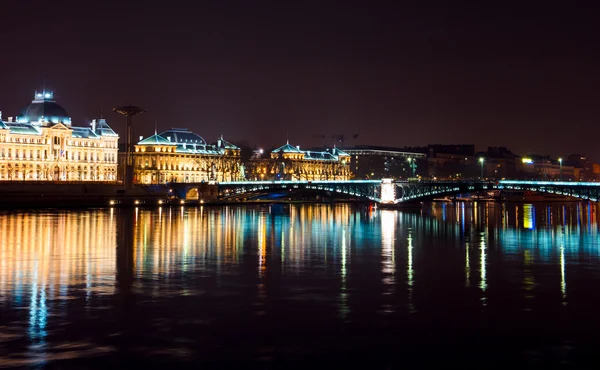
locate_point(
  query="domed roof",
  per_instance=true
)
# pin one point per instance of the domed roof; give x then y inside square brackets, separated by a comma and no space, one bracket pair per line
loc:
[44,106]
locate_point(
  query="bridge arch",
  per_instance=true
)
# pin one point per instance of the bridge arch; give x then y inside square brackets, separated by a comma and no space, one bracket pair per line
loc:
[192,194]
[362,189]
[582,190]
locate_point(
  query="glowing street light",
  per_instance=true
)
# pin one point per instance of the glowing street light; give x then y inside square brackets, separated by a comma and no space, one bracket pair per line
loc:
[560,166]
[481,160]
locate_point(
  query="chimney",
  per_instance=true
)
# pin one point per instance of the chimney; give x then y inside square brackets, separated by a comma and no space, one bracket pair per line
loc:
[10,119]
[94,125]
[141,138]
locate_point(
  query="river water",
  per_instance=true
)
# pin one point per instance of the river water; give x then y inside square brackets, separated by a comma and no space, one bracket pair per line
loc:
[466,284]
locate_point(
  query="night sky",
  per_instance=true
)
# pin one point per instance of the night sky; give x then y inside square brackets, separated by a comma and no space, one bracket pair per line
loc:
[525,77]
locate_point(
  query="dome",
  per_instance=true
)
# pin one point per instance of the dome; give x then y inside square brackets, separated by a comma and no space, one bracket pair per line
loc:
[44,106]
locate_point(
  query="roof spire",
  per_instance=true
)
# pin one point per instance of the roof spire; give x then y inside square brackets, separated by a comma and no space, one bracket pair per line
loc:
[287,138]
[155,126]
[101,113]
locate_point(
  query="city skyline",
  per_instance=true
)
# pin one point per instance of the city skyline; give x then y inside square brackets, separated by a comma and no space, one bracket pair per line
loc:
[328,141]
[401,76]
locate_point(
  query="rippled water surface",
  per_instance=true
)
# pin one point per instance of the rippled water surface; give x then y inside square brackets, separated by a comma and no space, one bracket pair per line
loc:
[471,285]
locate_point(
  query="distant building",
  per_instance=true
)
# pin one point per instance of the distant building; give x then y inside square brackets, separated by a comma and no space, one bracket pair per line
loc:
[452,161]
[288,162]
[583,168]
[543,167]
[42,145]
[179,155]
[376,162]
[498,163]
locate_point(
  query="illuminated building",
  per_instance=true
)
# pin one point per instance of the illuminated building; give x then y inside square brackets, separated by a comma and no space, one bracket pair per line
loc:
[290,163]
[42,145]
[542,167]
[452,161]
[179,155]
[376,162]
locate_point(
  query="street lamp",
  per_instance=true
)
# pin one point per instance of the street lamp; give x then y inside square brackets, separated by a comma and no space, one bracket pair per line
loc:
[481,160]
[560,166]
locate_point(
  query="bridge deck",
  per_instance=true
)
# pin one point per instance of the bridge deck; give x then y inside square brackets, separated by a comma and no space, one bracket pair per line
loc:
[400,191]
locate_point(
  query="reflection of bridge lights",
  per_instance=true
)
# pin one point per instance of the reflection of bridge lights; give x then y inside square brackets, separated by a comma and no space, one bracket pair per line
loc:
[563,282]
[409,271]
[467,266]
[482,261]
[528,216]
[344,309]
[388,223]
[388,268]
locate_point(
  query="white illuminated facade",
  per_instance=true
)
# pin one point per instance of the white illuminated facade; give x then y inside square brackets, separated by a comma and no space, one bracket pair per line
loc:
[388,191]
[288,162]
[42,145]
[179,155]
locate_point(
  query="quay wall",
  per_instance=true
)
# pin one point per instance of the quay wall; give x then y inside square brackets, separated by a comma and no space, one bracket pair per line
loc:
[25,194]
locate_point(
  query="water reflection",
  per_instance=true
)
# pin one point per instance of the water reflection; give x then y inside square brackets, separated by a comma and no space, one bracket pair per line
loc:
[388,247]
[467,265]
[483,267]
[563,281]
[344,307]
[410,272]
[159,281]
[48,260]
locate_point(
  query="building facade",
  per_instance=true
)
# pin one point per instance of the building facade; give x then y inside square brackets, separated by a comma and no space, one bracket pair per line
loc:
[377,162]
[290,163]
[42,145]
[179,155]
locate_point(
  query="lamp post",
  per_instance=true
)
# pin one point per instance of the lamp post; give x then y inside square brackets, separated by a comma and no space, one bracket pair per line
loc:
[481,160]
[129,111]
[560,166]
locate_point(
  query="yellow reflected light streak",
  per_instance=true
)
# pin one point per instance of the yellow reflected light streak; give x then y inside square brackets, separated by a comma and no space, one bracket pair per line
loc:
[43,257]
[563,282]
[262,244]
[467,266]
[344,309]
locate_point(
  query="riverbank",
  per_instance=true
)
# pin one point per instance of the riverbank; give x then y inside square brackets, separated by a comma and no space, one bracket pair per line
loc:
[78,195]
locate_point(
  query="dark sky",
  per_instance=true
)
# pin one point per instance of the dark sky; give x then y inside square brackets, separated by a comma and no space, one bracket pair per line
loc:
[526,77]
